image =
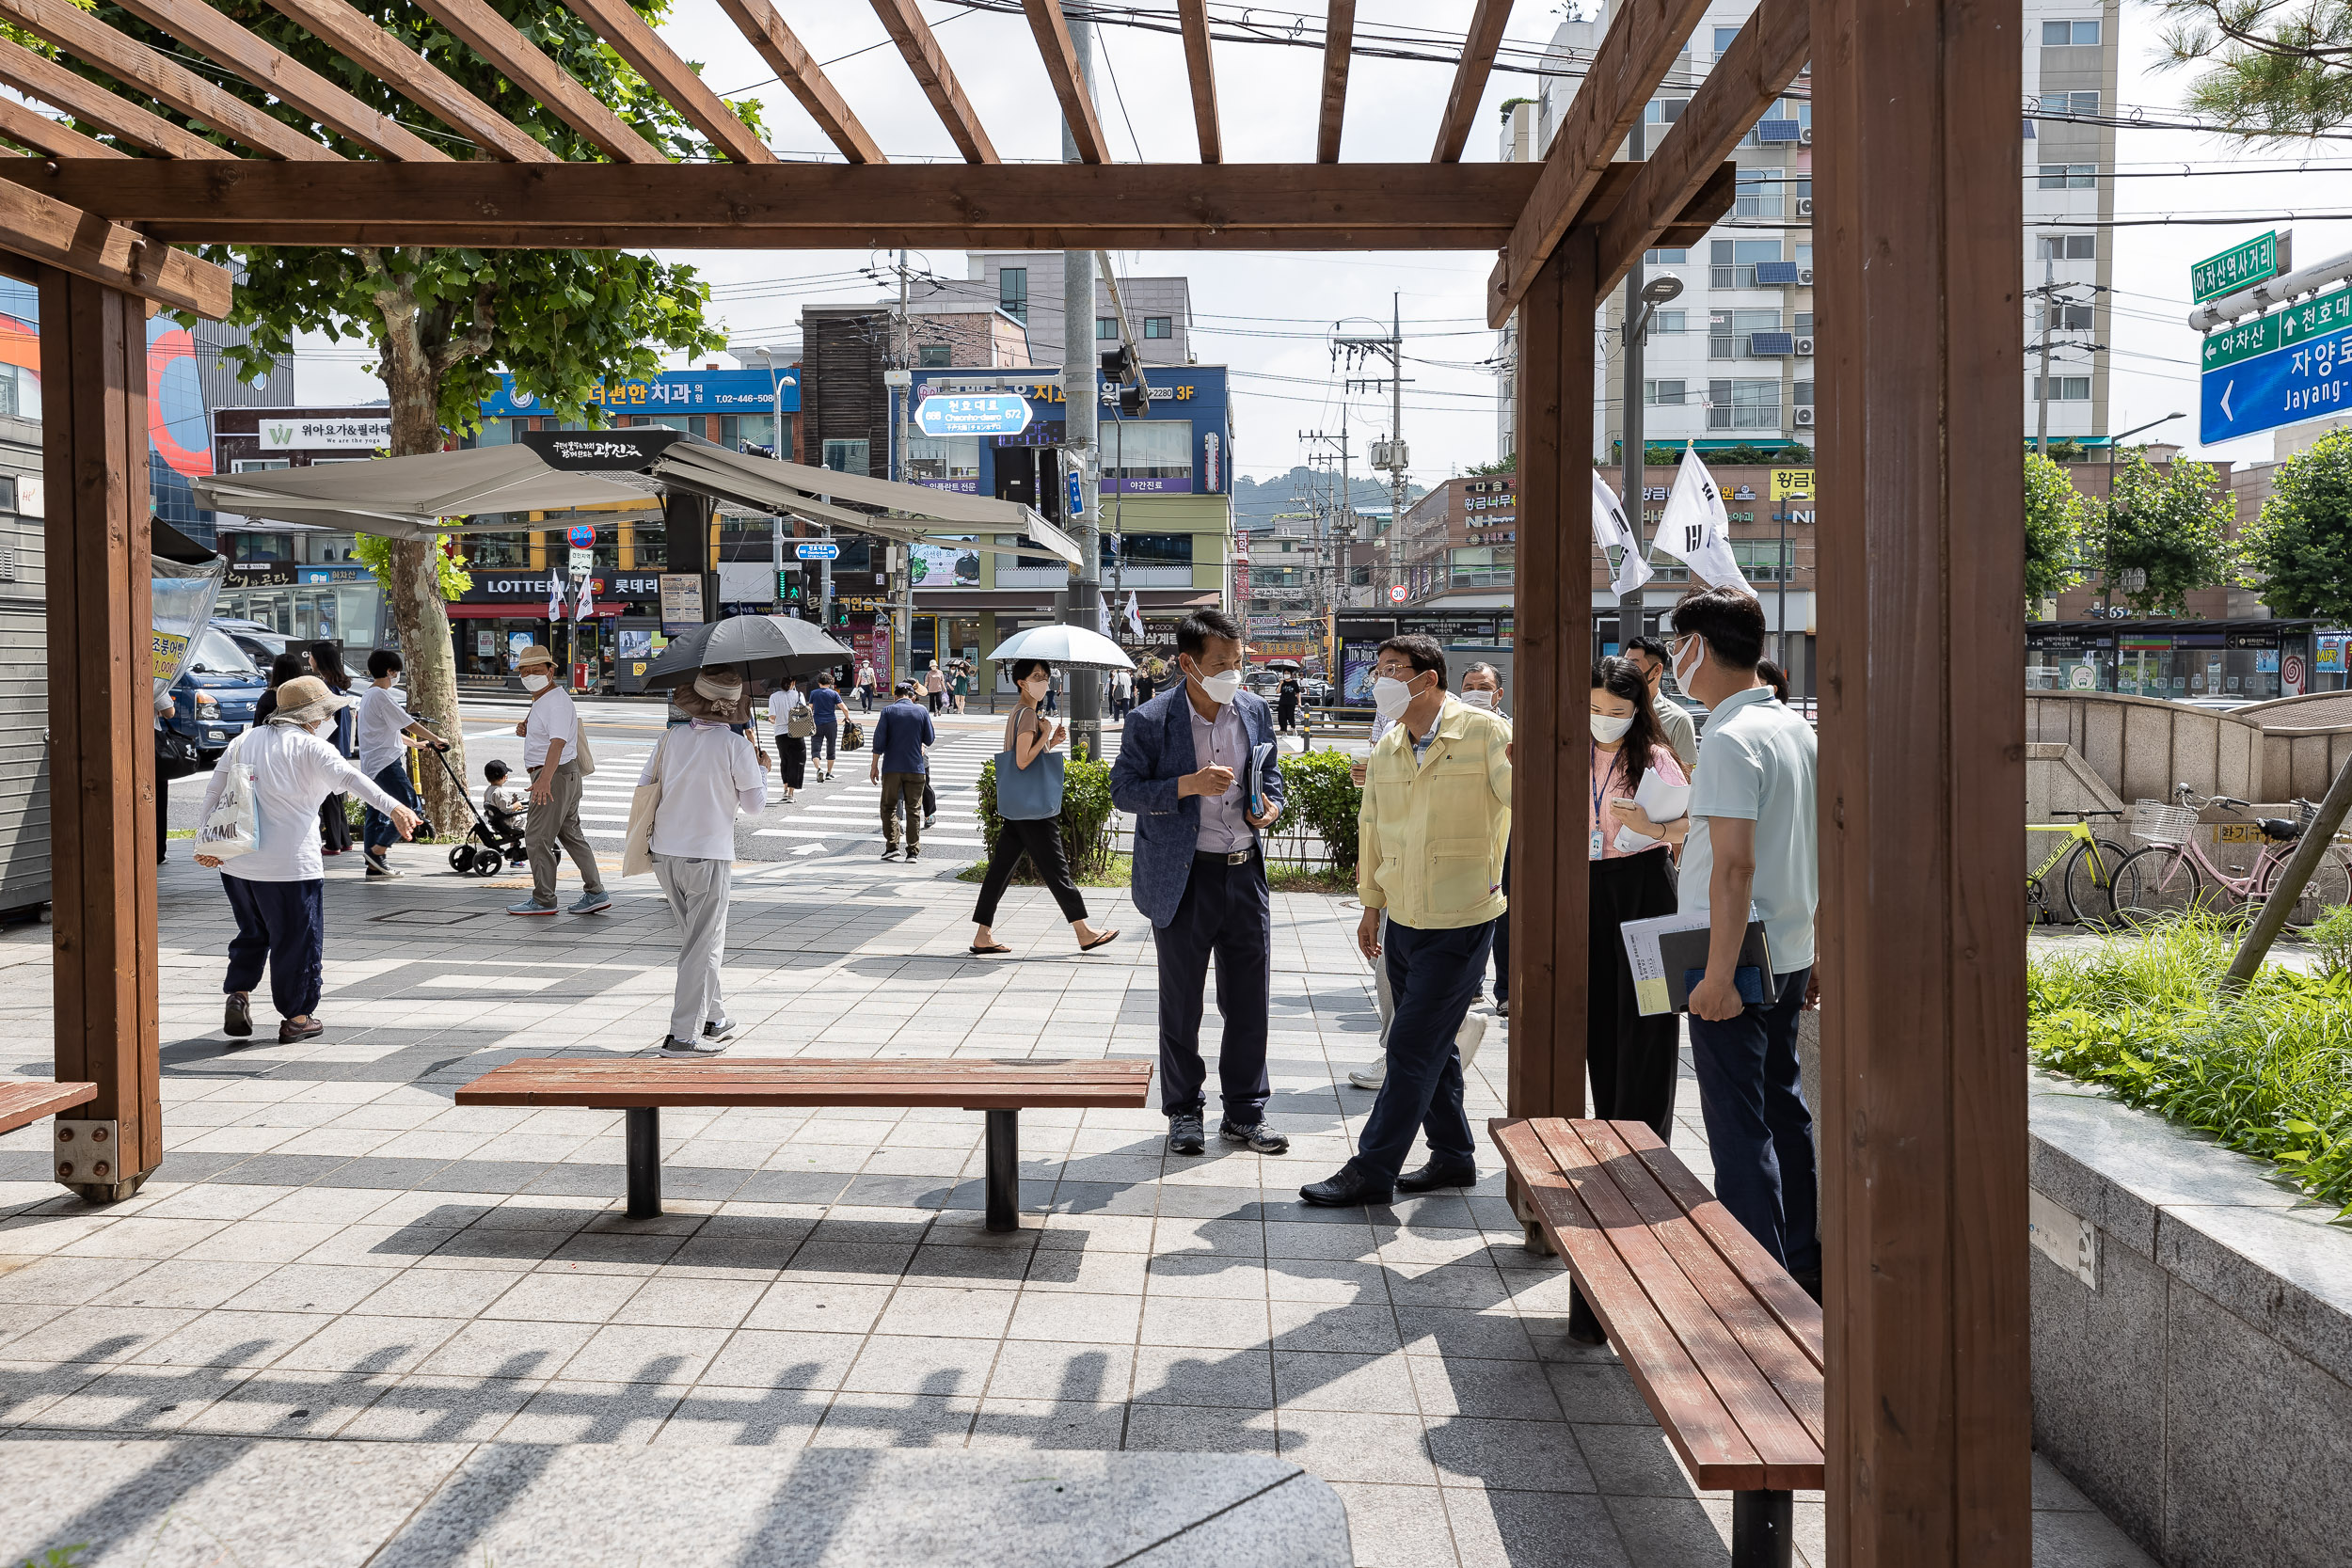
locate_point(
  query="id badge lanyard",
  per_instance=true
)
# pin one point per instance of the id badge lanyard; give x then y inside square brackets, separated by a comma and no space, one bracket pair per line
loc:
[1599,784]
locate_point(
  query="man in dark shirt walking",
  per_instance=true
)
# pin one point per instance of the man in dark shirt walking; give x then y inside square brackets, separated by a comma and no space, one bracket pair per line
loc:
[902,733]
[825,705]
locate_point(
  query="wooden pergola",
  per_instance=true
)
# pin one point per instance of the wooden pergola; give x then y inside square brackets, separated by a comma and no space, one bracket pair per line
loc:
[1917,210]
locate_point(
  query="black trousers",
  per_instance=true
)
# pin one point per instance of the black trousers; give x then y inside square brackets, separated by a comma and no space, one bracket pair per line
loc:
[1632,1059]
[1502,933]
[1226,916]
[1040,840]
[792,757]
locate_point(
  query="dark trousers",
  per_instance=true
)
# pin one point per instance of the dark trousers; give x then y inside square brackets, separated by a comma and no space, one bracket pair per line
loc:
[1758,1127]
[825,745]
[1040,840]
[281,926]
[866,699]
[1632,1059]
[1502,932]
[907,787]
[792,757]
[1226,915]
[1434,977]
[334,824]
[392,778]
[162,807]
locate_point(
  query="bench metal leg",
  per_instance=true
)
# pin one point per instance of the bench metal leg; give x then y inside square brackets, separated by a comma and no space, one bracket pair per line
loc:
[644,1160]
[1004,1170]
[1760,1529]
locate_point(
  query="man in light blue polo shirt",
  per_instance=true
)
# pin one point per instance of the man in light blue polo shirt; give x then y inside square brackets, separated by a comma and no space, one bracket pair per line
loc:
[1752,845]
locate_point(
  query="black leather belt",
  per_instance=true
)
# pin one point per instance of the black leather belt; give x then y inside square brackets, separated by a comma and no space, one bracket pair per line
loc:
[1238,857]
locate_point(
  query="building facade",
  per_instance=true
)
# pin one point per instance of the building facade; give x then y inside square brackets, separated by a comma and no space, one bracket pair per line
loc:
[304,584]
[1027,287]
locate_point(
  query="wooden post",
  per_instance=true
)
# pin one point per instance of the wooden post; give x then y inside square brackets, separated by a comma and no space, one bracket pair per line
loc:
[1917,208]
[1553,668]
[101,749]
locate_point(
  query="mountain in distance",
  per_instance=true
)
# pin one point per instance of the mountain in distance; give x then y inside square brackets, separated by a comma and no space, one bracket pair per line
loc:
[1257,502]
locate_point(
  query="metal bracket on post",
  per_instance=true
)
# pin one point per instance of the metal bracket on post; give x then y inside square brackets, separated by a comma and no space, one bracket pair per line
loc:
[88,1153]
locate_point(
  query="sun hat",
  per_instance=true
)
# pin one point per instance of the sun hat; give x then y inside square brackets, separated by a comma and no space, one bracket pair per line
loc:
[535,653]
[307,699]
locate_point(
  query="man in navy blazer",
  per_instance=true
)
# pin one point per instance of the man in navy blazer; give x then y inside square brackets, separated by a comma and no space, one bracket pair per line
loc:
[1184,771]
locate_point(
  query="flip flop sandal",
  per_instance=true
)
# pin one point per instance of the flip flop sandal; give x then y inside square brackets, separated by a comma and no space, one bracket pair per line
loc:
[1102,940]
[993,947]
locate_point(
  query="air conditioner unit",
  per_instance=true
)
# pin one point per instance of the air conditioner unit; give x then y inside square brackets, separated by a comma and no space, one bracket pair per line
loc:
[1805,418]
[1804,137]
[1805,277]
[1804,206]
[1804,348]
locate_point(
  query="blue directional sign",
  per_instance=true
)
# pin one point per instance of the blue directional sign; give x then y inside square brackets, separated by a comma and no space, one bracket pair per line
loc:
[1077,496]
[810,549]
[973,414]
[2297,381]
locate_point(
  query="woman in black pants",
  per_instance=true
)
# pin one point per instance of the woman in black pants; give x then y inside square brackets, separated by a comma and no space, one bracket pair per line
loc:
[1028,736]
[1632,1057]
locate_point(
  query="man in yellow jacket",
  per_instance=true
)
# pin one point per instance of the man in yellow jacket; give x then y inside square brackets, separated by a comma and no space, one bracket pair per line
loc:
[1431,834]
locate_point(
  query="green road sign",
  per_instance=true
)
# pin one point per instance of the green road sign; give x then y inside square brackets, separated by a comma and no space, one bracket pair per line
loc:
[2241,266]
[2258,335]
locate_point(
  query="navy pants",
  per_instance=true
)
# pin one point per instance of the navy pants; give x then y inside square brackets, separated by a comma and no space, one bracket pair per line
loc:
[281,926]
[1225,915]
[1434,977]
[825,744]
[392,778]
[1758,1127]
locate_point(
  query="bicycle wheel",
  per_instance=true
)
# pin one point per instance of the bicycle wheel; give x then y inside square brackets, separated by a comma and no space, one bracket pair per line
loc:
[2329,886]
[2161,881]
[2091,881]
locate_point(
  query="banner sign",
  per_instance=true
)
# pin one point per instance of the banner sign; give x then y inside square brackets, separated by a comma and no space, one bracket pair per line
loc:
[752,391]
[973,414]
[681,601]
[331,435]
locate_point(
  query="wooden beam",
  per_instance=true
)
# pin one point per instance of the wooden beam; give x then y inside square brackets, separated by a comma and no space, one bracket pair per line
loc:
[1201,68]
[1643,38]
[1549,872]
[520,61]
[39,76]
[800,74]
[633,39]
[72,240]
[1470,79]
[921,51]
[1922,684]
[101,747]
[176,88]
[1070,83]
[358,39]
[1761,62]
[791,206]
[1339,43]
[28,127]
[199,26]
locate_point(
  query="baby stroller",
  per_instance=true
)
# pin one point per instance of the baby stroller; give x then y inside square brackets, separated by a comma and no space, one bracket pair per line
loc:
[485,850]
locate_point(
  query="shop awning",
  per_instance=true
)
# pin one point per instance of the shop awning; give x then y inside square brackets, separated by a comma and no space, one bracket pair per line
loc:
[524,610]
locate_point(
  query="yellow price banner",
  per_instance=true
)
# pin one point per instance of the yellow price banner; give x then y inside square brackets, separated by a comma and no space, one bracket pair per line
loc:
[168,648]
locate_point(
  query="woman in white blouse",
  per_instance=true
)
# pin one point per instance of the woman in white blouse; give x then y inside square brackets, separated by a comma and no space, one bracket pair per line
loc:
[707,773]
[791,750]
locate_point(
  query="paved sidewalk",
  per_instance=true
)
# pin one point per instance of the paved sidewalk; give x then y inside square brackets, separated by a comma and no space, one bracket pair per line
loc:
[332,1250]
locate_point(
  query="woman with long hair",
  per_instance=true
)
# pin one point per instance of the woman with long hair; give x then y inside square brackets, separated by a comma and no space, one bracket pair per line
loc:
[1632,1059]
[1028,736]
[334,816]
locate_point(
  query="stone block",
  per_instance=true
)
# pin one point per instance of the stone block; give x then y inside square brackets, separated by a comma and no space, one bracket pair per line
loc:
[2098,1384]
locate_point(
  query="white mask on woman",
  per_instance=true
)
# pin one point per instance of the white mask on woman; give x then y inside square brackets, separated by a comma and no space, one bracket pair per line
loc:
[1609,731]
[534,682]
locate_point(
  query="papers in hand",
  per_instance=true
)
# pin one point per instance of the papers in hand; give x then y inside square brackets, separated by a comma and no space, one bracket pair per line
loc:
[1662,802]
[1258,755]
[1668,956]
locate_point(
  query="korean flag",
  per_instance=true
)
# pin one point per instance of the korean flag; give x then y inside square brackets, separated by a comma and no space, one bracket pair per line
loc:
[1696,529]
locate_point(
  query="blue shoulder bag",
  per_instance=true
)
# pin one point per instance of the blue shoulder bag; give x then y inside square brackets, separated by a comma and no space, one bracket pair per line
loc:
[1029,793]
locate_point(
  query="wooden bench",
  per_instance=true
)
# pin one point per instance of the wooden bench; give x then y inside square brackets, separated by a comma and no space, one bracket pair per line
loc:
[1725,1346]
[1000,1089]
[22,1102]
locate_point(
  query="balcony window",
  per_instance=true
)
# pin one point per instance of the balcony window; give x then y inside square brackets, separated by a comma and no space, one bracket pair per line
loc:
[1731,263]
[1729,333]
[1743,405]
[2070,35]
[1012,293]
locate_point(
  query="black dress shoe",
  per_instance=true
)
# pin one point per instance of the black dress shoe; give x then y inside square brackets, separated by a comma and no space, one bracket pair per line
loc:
[1433,1176]
[1350,1188]
[237,1018]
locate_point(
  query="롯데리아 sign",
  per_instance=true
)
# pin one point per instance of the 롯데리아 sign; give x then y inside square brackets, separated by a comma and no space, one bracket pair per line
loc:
[2241,266]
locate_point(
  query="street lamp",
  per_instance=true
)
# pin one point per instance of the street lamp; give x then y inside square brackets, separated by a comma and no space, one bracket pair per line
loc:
[1649,295]
[2106,540]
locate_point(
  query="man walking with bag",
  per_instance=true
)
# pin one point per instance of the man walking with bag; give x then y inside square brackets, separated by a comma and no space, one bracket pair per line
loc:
[556,755]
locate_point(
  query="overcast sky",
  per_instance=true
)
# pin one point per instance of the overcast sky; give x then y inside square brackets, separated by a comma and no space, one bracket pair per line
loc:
[1269,317]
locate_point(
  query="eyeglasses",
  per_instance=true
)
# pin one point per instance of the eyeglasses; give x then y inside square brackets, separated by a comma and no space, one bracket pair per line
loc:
[1676,645]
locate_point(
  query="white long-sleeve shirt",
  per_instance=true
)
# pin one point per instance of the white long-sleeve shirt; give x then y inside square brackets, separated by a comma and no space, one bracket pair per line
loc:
[293,771]
[709,773]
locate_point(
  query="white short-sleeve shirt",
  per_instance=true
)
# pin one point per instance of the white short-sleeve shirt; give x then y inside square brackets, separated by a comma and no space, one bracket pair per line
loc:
[1757,761]
[383,717]
[709,773]
[554,716]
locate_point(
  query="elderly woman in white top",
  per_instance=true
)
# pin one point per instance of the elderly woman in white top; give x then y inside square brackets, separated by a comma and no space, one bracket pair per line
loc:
[708,773]
[276,888]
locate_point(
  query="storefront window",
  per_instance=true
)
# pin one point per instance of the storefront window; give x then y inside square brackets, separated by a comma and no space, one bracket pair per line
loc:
[944,460]
[1147,454]
[508,551]
[757,429]
[261,548]
[848,457]
[648,547]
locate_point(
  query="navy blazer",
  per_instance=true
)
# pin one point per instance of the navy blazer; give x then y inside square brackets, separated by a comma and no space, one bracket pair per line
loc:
[1154,752]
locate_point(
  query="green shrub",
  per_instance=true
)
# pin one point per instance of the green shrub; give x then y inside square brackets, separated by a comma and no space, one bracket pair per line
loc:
[1319,792]
[2331,938]
[1086,813]
[2267,1070]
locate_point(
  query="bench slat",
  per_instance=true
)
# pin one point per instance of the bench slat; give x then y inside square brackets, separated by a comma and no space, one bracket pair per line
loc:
[1696,1421]
[1791,1456]
[978,1083]
[22,1103]
[1775,1352]
[1799,1313]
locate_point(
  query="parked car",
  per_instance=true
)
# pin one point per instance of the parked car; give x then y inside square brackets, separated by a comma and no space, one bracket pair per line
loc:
[1316,689]
[261,644]
[212,702]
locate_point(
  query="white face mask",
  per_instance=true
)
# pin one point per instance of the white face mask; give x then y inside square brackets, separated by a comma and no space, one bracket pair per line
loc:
[1220,689]
[535,682]
[1391,697]
[1688,661]
[1480,699]
[1609,731]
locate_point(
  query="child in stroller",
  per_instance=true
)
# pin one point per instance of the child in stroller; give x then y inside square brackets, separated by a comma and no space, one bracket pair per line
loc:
[502,809]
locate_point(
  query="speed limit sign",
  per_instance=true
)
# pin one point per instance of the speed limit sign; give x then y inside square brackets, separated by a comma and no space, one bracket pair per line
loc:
[1396,595]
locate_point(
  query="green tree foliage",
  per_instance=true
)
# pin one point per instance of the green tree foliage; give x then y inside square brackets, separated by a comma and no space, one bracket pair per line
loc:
[2054,530]
[2299,554]
[1318,791]
[2164,531]
[2274,69]
[442,322]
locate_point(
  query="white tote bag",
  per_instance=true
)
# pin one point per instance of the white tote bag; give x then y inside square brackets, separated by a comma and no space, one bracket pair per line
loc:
[234,826]
[637,847]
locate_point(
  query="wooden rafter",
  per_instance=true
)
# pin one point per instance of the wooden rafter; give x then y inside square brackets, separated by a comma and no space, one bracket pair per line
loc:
[174,86]
[358,38]
[1070,85]
[42,228]
[1755,71]
[199,26]
[521,62]
[39,76]
[1643,38]
[921,51]
[1201,68]
[1470,79]
[28,127]
[658,63]
[1339,43]
[800,74]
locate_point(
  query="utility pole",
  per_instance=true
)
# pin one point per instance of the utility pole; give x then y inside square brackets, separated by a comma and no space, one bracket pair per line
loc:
[2049,293]
[902,414]
[1390,456]
[1635,436]
[1080,370]
[1330,529]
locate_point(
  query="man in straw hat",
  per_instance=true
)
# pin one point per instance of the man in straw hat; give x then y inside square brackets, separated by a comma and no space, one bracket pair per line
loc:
[551,753]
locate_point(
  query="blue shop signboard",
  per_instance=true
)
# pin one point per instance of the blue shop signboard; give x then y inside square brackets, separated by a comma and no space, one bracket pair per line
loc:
[750,391]
[1182,446]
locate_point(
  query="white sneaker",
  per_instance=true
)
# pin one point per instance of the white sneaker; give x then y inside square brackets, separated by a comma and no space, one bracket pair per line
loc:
[1372,1079]
[672,1046]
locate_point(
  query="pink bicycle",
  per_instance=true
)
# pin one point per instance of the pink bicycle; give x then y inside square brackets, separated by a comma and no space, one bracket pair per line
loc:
[2173,874]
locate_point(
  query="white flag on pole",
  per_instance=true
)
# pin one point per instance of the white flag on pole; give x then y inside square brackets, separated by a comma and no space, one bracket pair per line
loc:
[1135,615]
[1696,527]
[555,598]
[1611,531]
[585,605]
